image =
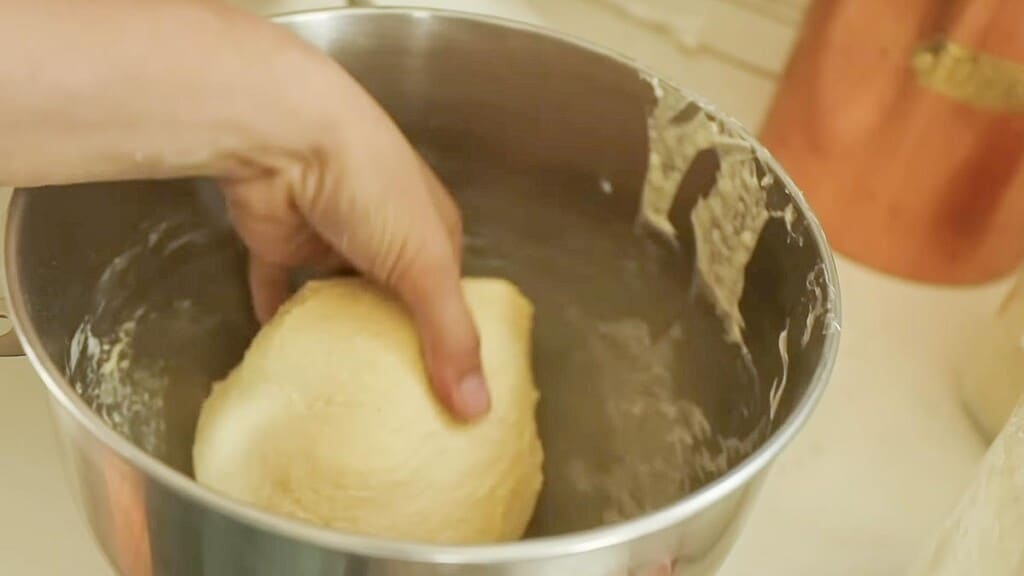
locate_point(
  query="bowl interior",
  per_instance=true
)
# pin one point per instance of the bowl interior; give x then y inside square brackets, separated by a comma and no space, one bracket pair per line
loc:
[138,288]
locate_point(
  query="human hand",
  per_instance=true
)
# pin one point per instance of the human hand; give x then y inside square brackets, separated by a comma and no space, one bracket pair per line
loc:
[367,199]
[314,171]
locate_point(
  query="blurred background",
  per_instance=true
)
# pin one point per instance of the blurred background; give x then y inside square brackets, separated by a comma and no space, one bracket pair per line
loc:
[733,52]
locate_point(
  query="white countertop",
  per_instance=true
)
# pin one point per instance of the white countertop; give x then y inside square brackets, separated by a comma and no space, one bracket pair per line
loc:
[889,451]
[862,488]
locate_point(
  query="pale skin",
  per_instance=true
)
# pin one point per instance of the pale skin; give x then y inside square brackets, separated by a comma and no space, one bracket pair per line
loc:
[314,171]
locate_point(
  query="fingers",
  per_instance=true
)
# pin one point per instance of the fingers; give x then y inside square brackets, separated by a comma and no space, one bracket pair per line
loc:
[269,285]
[395,232]
[278,238]
[429,285]
[415,258]
[446,209]
[382,207]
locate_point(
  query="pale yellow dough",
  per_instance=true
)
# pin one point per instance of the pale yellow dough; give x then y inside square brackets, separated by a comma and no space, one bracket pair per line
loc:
[329,418]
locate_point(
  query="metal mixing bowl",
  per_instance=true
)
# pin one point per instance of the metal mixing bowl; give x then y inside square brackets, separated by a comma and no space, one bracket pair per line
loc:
[687,311]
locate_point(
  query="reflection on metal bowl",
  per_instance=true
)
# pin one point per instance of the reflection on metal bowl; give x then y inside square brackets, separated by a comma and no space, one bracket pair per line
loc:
[687,311]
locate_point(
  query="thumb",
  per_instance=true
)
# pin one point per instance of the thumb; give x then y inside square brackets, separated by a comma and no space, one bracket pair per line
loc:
[428,283]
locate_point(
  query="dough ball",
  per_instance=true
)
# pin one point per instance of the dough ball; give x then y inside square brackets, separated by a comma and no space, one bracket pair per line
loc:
[330,418]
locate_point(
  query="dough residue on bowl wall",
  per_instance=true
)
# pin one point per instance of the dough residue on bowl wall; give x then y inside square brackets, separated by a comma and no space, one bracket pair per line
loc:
[727,221]
[143,357]
[130,400]
[664,445]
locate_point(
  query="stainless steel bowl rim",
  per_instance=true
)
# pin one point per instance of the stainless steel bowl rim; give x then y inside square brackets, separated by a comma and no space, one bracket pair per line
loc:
[530,549]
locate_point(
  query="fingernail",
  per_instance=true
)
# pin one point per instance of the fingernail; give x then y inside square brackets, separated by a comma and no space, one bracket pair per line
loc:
[473,399]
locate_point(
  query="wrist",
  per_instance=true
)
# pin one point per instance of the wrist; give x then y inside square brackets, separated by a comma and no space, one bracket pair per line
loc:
[288,103]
